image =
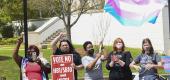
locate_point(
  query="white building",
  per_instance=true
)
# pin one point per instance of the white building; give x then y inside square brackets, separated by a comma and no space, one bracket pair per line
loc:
[133,36]
[86,29]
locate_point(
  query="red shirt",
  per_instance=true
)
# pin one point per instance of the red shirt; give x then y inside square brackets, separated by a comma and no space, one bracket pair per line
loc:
[33,71]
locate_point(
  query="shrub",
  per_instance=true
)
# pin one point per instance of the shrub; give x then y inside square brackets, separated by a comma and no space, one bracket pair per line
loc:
[8,41]
[7,31]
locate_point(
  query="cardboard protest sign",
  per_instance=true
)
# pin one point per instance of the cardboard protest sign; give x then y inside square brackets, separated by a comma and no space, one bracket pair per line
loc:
[61,67]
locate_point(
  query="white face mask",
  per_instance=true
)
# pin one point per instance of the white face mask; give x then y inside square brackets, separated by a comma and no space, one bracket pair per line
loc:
[119,45]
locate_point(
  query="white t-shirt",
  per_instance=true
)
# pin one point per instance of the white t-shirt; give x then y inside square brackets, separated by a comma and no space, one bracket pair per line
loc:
[96,73]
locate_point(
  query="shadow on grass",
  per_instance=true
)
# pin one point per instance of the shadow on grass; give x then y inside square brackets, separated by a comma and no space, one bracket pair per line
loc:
[3,58]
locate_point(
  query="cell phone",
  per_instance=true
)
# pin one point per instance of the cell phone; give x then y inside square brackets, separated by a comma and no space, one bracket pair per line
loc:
[34,56]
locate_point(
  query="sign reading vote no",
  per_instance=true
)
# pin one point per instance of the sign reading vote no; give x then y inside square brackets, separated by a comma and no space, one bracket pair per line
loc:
[61,67]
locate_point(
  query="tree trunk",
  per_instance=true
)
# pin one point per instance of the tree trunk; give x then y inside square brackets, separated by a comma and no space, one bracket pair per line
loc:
[40,13]
[68,29]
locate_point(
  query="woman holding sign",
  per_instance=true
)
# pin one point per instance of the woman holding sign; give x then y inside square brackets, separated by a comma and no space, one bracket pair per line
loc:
[65,47]
[32,66]
[118,62]
[148,62]
[92,63]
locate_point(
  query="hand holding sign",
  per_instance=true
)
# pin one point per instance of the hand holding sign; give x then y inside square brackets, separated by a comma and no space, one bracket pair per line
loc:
[73,65]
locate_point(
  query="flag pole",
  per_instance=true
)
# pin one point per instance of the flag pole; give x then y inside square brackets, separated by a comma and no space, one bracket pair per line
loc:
[25,25]
[169,14]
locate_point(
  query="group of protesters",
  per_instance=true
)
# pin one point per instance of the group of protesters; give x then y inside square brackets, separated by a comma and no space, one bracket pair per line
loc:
[119,61]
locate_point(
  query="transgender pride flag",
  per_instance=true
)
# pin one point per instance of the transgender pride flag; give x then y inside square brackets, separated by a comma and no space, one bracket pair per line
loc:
[166,61]
[134,12]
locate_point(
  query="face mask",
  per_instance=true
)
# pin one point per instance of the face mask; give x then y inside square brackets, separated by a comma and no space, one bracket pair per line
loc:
[91,51]
[119,45]
[146,48]
[29,58]
[32,57]
[65,50]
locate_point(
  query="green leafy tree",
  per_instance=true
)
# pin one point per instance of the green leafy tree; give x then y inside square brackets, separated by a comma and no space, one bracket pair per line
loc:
[12,10]
[42,8]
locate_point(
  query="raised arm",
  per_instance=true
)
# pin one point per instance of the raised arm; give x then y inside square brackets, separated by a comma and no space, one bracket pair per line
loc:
[16,57]
[54,42]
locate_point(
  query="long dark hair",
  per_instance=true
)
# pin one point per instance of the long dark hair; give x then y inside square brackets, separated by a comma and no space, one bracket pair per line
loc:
[72,49]
[151,50]
[86,43]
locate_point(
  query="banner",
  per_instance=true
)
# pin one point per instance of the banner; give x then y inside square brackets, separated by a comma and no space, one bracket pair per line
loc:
[166,63]
[61,67]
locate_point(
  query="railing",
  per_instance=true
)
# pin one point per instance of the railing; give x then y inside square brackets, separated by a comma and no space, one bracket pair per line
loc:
[49,28]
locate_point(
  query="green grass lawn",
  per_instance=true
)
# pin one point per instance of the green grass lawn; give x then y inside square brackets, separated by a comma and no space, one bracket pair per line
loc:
[10,70]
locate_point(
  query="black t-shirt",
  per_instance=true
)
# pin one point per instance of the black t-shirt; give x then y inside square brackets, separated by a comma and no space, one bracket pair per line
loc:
[76,59]
[118,72]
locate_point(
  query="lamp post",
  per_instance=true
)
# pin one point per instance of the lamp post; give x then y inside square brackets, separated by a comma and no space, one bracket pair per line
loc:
[25,25]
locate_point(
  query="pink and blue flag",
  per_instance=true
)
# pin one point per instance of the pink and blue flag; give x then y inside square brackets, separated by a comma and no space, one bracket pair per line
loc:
[166,65]
[134,12]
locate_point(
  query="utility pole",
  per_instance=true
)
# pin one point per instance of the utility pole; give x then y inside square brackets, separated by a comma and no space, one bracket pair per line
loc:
[25,25]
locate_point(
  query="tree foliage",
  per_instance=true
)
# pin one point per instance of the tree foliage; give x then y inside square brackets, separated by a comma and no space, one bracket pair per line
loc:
[7,31]
[12,10]
[41,8]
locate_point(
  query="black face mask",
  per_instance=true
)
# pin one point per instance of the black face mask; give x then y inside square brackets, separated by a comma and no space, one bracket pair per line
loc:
[29,57]
[32,57]
[91,51]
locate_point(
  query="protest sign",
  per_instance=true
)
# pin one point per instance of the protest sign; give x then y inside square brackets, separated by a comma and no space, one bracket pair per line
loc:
[61,67]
